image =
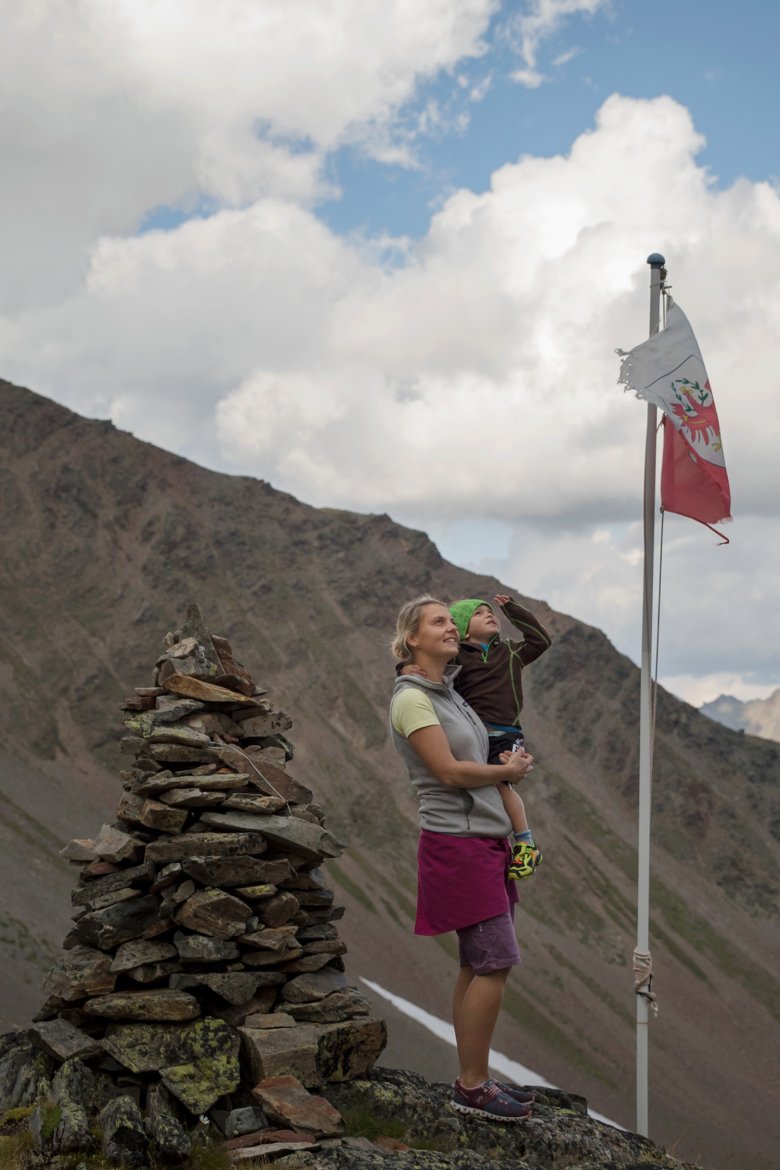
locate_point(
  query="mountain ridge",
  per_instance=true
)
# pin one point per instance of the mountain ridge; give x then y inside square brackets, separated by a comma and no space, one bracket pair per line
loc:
[107,538]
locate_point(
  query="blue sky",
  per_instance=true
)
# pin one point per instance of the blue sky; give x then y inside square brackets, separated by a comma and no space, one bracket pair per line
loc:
[718,60]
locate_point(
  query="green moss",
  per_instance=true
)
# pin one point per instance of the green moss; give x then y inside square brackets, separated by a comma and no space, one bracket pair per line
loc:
[50,1119]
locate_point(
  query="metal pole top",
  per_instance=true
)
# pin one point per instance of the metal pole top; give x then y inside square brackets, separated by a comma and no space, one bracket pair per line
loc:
[656,260]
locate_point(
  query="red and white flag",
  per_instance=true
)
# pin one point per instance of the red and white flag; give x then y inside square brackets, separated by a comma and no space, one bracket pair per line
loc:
[668,371]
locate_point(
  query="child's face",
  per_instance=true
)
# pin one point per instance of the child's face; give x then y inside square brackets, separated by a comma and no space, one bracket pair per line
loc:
[483,625]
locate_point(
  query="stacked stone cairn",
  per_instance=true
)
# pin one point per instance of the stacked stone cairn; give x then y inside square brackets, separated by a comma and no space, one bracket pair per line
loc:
[202,987]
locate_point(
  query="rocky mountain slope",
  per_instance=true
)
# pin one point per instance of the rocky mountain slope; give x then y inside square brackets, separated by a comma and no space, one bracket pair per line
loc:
[105,539]
[756,716]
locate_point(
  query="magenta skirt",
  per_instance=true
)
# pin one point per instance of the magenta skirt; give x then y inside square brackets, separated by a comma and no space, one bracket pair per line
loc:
[460,881]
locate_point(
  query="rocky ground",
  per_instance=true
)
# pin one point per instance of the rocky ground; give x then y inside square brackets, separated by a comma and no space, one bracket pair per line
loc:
[388,1120]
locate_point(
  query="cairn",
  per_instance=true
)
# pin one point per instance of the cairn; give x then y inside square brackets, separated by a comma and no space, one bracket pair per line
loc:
[202,988]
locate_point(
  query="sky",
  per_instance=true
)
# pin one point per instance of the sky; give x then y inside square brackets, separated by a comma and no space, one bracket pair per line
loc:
[380,253]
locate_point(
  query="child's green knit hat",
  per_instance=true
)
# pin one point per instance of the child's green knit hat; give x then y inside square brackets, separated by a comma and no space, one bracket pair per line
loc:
[463,611]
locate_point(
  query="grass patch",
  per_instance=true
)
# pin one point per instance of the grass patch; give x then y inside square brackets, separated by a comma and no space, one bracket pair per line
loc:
[15,1149]
[359,1121]
[208,1154]
[50,1119]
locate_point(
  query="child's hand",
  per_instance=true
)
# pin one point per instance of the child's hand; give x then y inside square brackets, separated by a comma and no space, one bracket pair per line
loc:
[519,764]
[501,598]
[410,668]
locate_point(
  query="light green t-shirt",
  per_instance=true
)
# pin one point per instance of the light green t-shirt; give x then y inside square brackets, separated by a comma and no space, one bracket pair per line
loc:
[411,710]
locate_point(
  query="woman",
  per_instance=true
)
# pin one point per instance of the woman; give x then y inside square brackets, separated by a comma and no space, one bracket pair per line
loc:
[463,851]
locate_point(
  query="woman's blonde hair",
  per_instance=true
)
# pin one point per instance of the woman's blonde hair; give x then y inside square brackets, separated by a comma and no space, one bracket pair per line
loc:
[408,623]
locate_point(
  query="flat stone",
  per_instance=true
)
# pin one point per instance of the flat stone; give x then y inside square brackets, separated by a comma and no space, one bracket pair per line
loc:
[235,987]
[306,963]
[291,1144]
[112,899]
[213,723]
[286,1100]
[237,871]
[277,1051]
[339,1005]
[204,692]
[139,951]
[212,782]
[275,939]
[114,879]
[316,898]
[199,948]
[278,910]
[160,817]
[192,798]
[79,849]
[328,946]
[214,912]
[254,803]
[309,988]
[149,1047]
[109,928]
[113,845]
[270,1020]
[187,845]
[178,753]
[171,708]
[275,781]
[256,893]
[291,833]
[177,733]
[80,972]
[162,1004]
[62,1040]
[239,1122]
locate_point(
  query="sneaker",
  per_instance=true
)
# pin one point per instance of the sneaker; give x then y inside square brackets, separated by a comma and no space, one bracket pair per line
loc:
[487,1100]
[524,1096]
[525,859]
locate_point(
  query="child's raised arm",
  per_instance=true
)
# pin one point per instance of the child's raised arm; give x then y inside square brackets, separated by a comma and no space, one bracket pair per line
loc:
[535,637]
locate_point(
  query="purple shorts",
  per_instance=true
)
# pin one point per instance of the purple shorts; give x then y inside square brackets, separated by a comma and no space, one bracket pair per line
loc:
[490,945]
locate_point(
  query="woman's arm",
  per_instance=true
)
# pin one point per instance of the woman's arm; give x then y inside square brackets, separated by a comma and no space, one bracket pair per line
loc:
[432,746]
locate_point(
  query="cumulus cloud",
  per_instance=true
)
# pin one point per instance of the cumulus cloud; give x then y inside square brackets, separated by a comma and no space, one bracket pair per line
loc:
[124,105]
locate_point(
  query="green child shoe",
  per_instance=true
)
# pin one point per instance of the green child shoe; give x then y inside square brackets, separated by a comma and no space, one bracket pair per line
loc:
[525,859]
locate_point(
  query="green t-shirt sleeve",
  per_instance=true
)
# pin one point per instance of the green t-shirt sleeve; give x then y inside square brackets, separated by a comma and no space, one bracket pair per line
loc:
[412,709]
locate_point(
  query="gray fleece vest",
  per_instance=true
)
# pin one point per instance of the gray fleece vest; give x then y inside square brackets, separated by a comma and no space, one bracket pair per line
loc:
[463,812]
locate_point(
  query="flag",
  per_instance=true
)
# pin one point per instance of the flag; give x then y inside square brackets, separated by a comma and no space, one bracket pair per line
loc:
[668,371]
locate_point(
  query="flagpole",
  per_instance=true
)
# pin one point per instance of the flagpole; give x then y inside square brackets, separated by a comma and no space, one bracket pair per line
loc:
[656,262]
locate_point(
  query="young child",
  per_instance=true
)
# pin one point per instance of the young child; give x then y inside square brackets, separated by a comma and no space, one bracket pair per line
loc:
[490,682]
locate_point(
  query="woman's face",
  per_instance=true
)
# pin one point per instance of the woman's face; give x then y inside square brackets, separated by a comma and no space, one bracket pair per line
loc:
[437,633]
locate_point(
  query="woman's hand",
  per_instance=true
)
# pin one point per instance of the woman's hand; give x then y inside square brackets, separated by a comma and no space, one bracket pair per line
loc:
[518,764]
